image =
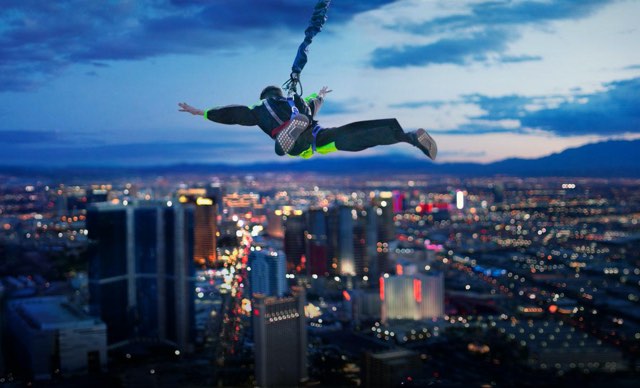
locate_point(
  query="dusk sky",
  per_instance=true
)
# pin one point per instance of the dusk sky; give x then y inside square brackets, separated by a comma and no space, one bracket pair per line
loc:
[95,82]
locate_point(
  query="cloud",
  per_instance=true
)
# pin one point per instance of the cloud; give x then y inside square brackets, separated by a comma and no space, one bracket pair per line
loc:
[457,51]
[421,104]
[39,40]
[520,58]
[487,28]
[610,112]
[613,111]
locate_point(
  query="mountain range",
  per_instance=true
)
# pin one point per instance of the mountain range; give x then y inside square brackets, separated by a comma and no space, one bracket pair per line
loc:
[616,158]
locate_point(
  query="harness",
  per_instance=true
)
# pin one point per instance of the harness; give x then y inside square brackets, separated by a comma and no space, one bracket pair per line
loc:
[294,113]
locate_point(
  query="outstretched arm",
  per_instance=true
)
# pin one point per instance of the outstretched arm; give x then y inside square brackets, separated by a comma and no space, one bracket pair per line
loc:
[231,114]
[316,99]
[184,107]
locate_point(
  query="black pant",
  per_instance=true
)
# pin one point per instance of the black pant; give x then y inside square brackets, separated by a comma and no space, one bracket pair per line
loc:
[355,136]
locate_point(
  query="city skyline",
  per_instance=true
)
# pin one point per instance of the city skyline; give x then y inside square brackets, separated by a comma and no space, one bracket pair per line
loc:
[98,84]
[414,279]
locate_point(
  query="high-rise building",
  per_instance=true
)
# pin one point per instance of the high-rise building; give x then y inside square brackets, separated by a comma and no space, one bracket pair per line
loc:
[205,224]
[346,262]
[141,272]
[317,245]
[413,297]
[268,271]
[360,253]
[382,207]
[280,335]
[376,267]
[48,335]
[294,242]
[386,227]
[275,223]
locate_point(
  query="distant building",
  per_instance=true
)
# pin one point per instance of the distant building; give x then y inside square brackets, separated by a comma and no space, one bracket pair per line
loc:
[205,224]
[268,271]
[49,336]
[360,253]
[398,201]
[294,242]
[414,297]
[382,210]
[317,243]
[376,264]
[280,334]
[275,223]
[141,272]
[390,368]
[366,304]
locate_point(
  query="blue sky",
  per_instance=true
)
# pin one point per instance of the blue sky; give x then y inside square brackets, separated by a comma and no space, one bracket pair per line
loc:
[98,82]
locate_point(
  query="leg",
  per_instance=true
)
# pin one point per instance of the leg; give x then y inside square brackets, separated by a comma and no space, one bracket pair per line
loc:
[361,135]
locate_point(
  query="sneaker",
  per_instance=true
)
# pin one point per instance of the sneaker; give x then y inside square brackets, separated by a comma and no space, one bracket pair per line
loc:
[425,142]
[287,137]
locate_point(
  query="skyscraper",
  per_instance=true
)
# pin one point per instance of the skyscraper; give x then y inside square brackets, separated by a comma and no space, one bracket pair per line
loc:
[268,270]
[317,249]
[346,262]
[294,242]
[205,224]
[275,223]
[141,271]
[382,207]
[360,253]
[280,335]
[412,297]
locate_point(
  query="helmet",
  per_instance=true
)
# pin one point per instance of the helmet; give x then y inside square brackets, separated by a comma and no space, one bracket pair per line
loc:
[271,91]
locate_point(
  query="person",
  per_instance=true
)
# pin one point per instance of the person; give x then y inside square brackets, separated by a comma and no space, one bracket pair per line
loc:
[291,123]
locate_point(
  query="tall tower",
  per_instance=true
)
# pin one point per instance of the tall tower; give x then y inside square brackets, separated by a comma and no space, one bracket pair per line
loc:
[280,335]
[317,248]
[205,224]
[360,253]
[346,262]
[141,272]
[375,266]
[294,242]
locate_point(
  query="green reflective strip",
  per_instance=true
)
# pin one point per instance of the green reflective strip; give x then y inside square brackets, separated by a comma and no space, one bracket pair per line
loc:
[310,97]
[327,148]
[205,113]
[254,105]
[306,154]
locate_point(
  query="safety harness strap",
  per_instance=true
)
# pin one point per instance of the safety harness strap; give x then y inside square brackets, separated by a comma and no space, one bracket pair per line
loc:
[294,113]
[315,132]
[272,113]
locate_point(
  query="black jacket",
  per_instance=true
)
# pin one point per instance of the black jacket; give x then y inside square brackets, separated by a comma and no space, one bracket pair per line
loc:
[259,114]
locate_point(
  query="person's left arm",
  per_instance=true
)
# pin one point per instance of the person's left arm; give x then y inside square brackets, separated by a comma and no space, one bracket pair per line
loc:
[230,114]
[316,99]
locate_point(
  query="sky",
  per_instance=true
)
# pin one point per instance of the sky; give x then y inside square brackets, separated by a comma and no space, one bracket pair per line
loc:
[98,82]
